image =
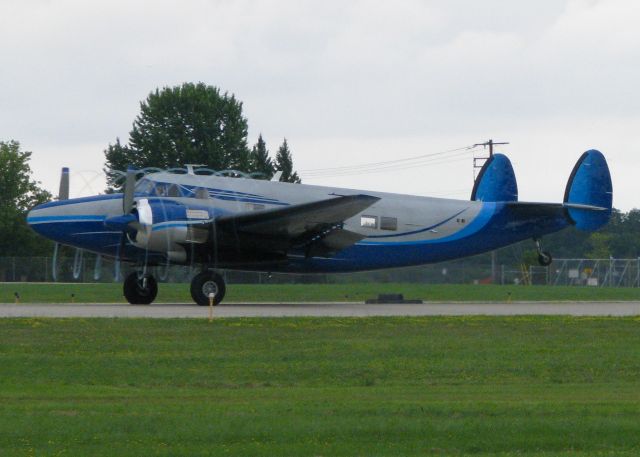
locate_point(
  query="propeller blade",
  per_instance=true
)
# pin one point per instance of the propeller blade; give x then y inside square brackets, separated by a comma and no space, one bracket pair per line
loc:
[129,187]
[63,193]
[54,263]
[118,259]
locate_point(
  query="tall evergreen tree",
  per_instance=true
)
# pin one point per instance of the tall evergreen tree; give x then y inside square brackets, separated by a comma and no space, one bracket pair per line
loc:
[191,123]
[284,163]
[259,160]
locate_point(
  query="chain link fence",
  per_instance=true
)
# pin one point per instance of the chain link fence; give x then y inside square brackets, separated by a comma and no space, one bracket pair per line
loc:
[85,267]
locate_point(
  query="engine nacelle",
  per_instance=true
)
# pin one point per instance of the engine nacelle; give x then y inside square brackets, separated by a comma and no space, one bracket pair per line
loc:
[164,226]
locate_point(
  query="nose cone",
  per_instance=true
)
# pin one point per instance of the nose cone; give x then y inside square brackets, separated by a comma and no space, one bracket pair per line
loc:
[35,218]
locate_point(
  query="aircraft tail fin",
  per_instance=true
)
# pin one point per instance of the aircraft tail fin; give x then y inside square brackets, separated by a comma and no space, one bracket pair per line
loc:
[589,193]
[496,181]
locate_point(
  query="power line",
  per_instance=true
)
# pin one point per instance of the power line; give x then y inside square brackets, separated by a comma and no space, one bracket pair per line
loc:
[397,167]
[397,164]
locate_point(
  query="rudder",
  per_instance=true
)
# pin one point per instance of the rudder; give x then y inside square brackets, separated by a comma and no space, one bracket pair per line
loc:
[496,181]
[589,185]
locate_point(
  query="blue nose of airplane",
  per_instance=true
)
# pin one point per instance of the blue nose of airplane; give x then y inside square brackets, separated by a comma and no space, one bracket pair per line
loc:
[35,218]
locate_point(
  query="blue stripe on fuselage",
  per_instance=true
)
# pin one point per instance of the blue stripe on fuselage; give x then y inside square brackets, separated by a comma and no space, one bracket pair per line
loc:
[480,221]
[67,218]
[490,229]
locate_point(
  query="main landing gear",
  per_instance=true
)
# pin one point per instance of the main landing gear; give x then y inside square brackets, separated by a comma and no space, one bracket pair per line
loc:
[142,289]
[206,283]
[544,257]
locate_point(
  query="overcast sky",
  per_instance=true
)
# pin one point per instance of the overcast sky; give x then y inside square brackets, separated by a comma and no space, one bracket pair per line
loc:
[345,82]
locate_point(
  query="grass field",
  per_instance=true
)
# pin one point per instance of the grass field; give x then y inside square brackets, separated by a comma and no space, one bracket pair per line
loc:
[525,386]
[179,293]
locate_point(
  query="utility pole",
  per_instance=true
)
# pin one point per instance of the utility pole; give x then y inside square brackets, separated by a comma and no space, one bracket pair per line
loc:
[478,162]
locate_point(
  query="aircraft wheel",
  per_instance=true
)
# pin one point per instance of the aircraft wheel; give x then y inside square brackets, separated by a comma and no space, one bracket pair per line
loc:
[545,259]
[205,283]
[140,291]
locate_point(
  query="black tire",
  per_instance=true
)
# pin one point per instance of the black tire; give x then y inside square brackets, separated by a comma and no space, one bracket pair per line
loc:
[205,283]
[136,293]
[545,259]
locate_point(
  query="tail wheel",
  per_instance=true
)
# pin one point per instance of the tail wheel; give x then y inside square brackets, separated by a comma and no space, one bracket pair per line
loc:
[544,258]
[206,283]
[140,290]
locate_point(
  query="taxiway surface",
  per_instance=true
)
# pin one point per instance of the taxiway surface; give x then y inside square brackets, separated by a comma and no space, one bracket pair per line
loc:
[320,310]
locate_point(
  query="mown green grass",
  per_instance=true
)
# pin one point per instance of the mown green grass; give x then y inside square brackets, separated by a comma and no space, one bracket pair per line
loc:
[179,293]
[515,386]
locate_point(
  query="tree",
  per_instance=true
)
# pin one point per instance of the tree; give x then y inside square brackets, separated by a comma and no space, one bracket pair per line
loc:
[259,160]
[19,193]
[191,123]
[284,163]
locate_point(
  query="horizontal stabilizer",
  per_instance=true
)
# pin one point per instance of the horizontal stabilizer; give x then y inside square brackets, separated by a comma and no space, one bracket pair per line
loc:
[589,193]
[496,181]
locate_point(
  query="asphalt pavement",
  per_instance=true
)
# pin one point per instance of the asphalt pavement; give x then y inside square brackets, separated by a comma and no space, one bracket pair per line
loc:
[320,309]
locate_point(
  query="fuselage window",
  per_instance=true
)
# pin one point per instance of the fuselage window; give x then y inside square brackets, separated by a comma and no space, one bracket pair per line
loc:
[202,193]
[255,206]
[369,222]
[388,223]
[174,191]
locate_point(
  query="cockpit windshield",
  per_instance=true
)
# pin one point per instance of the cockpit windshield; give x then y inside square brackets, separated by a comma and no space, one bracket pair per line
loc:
[148,188]
[144,187]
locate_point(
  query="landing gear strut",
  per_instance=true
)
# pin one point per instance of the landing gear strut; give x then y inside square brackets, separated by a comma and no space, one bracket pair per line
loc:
[205,283]
[544,257]
[140,290]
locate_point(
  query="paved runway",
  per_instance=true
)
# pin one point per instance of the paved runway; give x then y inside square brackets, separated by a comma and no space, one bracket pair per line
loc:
[321,310]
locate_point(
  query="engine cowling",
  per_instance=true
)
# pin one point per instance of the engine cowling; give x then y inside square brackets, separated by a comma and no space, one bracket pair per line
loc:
[162,226]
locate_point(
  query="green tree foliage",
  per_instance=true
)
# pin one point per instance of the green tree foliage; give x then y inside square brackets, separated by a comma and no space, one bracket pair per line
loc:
[19,194]
[620,238]
[191,123]
[284,163]
[259,160]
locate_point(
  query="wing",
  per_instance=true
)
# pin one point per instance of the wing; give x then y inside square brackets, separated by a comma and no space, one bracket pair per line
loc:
[317,228]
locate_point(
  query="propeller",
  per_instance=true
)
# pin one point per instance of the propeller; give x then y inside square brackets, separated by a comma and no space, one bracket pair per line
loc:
[124,221]
[63,194]
[128,222]
[128,191]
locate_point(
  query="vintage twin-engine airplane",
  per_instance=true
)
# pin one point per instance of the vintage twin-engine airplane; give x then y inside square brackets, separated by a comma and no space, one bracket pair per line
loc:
[244,224]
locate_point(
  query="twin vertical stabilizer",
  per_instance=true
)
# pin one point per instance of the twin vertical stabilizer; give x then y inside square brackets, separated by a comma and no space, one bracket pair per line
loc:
[589,192]
[588,195]
[496,181]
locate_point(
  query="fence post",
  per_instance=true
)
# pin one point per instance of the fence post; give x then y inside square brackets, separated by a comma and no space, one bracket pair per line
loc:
[611,271]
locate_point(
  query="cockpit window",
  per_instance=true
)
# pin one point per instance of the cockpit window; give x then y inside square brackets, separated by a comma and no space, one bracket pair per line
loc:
[162,189]
[144,187]
[174,191]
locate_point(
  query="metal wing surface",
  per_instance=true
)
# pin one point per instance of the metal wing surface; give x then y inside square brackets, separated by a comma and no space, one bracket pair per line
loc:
[295,221]
[316,228]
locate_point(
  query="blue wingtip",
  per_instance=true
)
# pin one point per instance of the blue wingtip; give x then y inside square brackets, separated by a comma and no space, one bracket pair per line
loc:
[496,181]
[590,184]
